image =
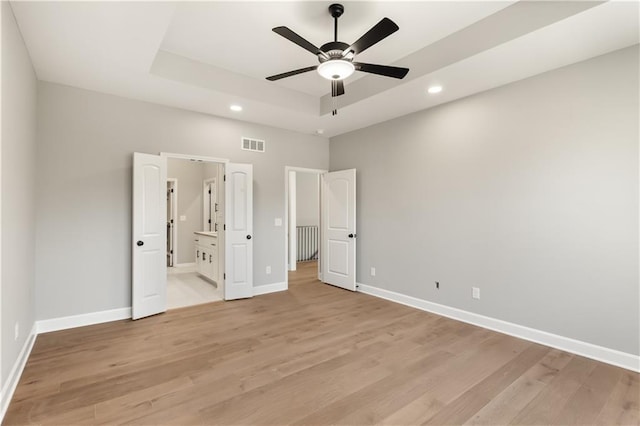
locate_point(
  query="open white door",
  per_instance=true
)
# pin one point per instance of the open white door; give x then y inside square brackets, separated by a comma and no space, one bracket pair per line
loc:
[238,282]
[339,229]
[149,293]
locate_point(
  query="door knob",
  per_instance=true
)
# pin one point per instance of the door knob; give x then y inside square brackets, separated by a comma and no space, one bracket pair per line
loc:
[352,235]
[140,243]
[248,237]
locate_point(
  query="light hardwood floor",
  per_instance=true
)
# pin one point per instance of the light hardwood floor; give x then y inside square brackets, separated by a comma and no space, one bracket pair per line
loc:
[313,355]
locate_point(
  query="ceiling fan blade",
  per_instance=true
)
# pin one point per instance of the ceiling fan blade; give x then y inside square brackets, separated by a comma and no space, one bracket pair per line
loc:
[385,70]
[380,31]
[295,38]
[291,73]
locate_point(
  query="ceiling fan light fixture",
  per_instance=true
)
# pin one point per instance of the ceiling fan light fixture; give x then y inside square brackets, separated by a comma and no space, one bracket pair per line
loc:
[336,69]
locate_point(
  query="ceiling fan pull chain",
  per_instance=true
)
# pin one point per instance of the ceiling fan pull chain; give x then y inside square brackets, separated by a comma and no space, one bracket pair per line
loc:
[334,97]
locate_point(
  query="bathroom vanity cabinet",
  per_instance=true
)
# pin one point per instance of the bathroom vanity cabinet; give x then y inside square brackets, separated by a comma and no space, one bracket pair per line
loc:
[207,255]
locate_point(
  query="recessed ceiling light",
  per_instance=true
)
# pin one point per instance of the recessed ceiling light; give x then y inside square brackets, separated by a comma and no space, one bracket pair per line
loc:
[434,89]
[236,108]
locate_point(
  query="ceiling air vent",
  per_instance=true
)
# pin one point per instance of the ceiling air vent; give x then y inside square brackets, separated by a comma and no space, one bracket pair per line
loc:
[256,145]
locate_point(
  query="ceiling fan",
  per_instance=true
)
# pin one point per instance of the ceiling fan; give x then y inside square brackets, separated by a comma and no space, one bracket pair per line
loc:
[336,58]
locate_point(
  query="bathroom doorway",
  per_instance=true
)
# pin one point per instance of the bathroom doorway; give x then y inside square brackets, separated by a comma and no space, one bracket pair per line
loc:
[195,275]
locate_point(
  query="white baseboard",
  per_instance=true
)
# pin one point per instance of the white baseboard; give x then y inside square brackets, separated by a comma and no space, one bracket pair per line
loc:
[269,288]
[14,376]
[55,324]
[184,265]
[589,350]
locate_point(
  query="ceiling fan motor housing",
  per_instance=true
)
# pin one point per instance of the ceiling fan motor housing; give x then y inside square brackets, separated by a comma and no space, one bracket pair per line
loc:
[334,49]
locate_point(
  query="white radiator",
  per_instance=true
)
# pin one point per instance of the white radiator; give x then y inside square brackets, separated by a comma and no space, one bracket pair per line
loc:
[307,240]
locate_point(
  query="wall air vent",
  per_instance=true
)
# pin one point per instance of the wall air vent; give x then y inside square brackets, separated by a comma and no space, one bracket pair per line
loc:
[256,145]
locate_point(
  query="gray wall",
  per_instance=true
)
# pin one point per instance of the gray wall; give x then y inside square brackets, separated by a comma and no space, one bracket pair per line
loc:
[190,176]
[85,145]
[307,199]
[209,170]
[528,191]
[18,191]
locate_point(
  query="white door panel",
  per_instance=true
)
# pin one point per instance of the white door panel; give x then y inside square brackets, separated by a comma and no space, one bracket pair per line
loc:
[149,277]
[239,231]
[339,229]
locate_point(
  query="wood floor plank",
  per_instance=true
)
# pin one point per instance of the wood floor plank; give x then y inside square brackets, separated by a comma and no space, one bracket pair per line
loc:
[507,404]
[623,405]
[316,355]
[473,400]
[548,404]
[585,405]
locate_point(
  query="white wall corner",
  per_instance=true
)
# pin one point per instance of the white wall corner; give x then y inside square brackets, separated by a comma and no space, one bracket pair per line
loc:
[269,288]
[12,380]
[63,323]
[588,350]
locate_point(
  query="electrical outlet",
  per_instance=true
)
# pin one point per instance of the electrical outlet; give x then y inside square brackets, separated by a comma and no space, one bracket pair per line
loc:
[16,331]
[438,285]
[268,270]
[278,221]
[373,271]
[183,218]
[475,292]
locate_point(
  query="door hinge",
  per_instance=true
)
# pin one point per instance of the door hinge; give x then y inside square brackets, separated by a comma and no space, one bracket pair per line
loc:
[171,251]
[209,192]
[209,221]
[171,220]
[224,276]
[171,189]
[224,178]
[224,227]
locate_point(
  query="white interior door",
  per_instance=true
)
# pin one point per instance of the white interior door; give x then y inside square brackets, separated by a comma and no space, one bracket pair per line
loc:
[339,229]
[149,278]
[238,282]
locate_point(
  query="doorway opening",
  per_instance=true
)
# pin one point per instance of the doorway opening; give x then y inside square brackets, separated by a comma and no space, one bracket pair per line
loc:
[302,219]
[225,254]
[336,262]
[195,275]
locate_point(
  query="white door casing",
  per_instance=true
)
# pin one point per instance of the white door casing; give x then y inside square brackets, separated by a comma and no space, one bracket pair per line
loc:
[339,228]
[291,231]
[149,268]
[238,283]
